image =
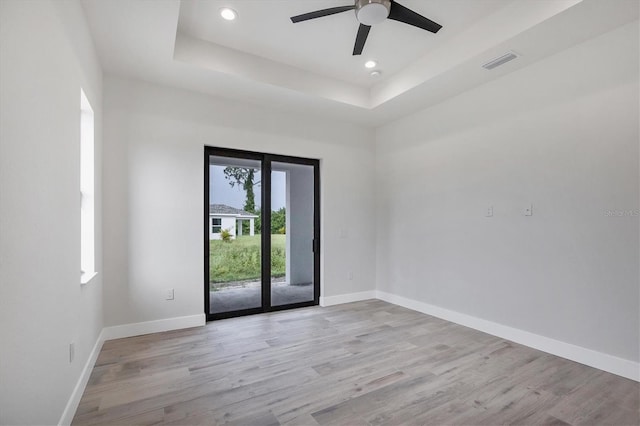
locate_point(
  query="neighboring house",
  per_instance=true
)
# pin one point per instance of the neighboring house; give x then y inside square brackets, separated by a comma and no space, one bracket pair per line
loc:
[222,217]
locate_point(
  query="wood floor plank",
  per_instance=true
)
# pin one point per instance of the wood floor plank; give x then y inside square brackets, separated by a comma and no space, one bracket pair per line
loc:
[364,363]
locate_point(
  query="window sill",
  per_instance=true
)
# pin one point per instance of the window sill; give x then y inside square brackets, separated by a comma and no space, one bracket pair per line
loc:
[87,277]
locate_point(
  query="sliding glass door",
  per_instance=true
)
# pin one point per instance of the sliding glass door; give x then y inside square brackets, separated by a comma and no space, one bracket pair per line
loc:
[261,232]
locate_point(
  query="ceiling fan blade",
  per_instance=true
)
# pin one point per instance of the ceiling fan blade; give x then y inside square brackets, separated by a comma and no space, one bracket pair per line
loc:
[400,13]
[361,38]
[321,13]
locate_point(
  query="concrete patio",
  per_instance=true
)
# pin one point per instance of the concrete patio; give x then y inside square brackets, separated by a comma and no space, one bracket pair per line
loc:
[246,295]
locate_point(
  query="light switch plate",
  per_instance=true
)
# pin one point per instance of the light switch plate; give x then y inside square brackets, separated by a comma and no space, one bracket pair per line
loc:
[528,211]
[168,294]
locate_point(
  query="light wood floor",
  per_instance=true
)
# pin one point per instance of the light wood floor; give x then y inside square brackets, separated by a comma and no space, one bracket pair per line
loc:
[364,363]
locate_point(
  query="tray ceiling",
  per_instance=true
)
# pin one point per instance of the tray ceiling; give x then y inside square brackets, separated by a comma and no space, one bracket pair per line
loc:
[263,58]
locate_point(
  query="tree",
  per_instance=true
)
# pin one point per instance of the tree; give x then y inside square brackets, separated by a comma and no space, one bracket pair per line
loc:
[279,221]
[243,176]
[257,223]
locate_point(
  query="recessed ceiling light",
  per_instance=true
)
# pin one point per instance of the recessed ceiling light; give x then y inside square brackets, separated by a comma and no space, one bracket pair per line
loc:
[370,64]
[375,73]
[228,14]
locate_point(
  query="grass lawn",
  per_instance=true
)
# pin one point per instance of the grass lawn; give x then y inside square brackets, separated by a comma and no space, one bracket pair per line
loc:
[239,259]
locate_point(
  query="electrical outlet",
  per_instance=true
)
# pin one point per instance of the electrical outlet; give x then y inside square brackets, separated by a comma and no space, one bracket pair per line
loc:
[72,352]
[168,294]
[350,275]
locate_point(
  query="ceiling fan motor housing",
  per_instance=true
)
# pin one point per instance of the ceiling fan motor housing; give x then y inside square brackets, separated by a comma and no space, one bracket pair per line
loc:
[370,12]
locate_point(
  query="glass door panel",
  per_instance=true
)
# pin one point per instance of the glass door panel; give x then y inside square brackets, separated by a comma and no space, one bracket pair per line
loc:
[292,233]
[235,249]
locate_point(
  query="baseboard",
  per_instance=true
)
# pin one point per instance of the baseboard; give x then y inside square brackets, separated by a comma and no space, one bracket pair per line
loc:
[157,326]
[612,364]
[78,390]
[347,298]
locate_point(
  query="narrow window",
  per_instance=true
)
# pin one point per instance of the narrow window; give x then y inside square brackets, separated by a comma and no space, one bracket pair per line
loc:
[87,195]
[216,225]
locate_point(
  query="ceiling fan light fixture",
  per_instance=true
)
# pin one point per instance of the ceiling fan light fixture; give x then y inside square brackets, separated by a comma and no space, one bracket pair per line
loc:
[371,12]
[228,14]
[370,64]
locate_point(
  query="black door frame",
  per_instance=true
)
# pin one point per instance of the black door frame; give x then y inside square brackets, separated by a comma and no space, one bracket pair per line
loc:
[265,238]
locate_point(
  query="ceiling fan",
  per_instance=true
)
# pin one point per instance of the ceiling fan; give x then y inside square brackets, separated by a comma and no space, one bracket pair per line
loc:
[370,12]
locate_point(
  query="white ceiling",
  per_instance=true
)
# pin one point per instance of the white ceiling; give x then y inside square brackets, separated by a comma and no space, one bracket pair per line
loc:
[263,58]
[324,45]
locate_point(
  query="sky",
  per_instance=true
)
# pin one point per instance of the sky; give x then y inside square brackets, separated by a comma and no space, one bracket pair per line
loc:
[220,192]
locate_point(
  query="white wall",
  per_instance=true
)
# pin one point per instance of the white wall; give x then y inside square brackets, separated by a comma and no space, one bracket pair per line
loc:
[154,155]
[46,56]
[561,134]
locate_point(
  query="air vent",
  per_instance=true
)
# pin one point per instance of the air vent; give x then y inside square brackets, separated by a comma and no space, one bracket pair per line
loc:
[510,56]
